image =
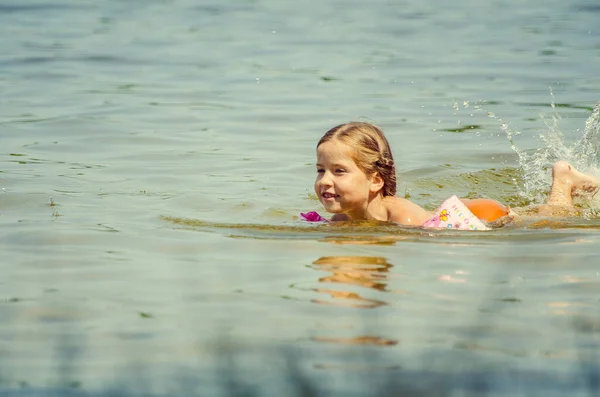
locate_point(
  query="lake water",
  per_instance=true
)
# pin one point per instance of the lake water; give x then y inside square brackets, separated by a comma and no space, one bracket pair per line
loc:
[154,156]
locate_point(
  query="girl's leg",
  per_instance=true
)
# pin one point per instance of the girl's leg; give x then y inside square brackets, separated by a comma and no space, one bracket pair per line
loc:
[567,182]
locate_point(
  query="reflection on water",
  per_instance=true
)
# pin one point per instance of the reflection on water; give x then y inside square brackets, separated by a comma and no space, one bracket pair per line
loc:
[358,340]
[353,271]
[365,240]
[364,271]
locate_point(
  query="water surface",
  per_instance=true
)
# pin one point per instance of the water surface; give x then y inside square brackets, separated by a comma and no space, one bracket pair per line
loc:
[117,118]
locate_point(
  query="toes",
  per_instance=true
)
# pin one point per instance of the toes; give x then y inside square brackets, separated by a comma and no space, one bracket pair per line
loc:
[590,186]
[586,187]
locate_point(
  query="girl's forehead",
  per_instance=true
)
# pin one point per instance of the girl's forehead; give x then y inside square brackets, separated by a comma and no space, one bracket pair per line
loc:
[335,149]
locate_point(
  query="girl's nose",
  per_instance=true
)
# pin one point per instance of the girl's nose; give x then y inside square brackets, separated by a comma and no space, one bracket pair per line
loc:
[325,179]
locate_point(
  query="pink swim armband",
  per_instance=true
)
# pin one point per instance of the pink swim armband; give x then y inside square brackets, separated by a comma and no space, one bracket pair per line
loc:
[454,214]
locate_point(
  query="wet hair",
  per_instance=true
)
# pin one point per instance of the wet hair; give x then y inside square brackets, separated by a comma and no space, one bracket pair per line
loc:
[372,153]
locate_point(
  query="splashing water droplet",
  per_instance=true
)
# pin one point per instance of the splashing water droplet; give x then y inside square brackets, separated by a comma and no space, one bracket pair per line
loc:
[583,155]
[535,165]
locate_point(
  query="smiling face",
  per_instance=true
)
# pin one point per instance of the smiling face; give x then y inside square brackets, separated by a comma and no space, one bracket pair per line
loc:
[342,187]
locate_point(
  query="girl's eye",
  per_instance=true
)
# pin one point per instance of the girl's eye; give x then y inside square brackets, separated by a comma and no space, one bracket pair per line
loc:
[320,170]
[340,170]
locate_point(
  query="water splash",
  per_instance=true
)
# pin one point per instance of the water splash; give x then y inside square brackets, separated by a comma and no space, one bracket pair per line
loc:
[587,149]
[535,165]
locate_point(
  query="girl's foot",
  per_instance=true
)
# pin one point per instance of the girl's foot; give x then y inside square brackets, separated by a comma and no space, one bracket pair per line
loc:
[568,182]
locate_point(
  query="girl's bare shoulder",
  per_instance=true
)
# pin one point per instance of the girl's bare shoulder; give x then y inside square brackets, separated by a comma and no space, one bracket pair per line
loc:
[403,211]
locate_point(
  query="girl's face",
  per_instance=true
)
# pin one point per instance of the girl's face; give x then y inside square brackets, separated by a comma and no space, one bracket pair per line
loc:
[341,186]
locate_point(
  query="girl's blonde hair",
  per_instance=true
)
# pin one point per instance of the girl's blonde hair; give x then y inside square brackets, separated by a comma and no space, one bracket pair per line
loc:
[372,153]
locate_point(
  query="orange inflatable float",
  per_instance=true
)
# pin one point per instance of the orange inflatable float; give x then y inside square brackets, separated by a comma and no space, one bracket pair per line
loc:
[486,209]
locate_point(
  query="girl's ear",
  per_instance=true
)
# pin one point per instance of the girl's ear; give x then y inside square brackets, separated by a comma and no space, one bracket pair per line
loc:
[376,183]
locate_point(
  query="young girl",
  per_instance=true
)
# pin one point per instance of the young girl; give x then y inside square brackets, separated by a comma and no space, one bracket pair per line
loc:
[356,180]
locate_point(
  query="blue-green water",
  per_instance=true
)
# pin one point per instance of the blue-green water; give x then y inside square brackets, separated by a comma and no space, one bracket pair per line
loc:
[121,119]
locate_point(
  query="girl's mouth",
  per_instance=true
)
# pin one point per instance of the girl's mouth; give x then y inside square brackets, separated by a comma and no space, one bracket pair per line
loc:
[329,196]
